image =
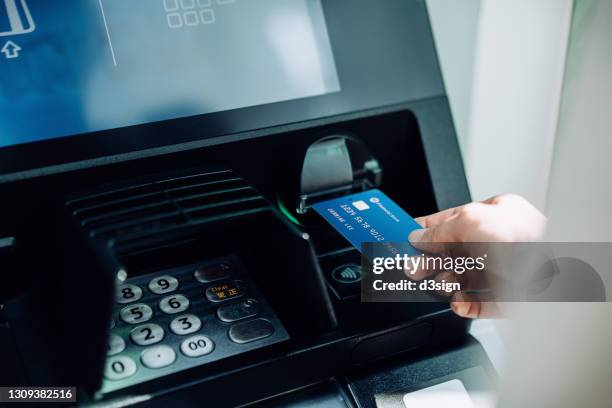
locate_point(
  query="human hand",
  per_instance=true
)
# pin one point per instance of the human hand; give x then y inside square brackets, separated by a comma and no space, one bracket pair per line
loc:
[503,218]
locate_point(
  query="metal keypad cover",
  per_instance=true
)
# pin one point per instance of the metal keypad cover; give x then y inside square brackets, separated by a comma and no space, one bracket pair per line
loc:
[185,328]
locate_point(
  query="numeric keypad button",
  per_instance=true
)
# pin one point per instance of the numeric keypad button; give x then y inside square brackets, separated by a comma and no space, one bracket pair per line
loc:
[197,346]
[158,356]
[135,314]
[147,334]
[163,284]
[186,324]
[128,293]
[174,304]
[115,345]
[120,367]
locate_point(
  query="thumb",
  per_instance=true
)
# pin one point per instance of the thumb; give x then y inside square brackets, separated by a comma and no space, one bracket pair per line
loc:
[432,240]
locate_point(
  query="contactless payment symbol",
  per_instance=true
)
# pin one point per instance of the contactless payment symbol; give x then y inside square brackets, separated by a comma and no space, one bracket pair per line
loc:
[17,14]
[350,273]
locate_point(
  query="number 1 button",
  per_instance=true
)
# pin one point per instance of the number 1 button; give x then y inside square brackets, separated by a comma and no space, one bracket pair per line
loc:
[174,304]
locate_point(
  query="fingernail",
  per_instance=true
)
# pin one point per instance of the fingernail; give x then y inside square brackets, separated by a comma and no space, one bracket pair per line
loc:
[416,235]
[461,308]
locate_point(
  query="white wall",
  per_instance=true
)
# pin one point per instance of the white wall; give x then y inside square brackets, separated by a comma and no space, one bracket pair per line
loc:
[503,63]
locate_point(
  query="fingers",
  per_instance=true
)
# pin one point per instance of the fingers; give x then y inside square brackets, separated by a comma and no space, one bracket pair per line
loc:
[434,239]
[468,306]
[432,220]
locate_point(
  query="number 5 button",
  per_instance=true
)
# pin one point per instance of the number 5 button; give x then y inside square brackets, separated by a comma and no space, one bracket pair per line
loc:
[163,284]
[136,313]
[186,324]
[174,304]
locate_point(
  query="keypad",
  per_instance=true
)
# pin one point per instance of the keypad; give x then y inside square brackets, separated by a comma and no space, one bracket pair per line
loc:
[183,317]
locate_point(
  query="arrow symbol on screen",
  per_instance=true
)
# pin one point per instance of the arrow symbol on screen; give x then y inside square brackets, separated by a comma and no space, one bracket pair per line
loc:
[10,50]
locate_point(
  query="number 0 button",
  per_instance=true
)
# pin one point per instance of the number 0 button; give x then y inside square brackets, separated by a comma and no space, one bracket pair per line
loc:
[120,367]
[128,293]
[135,314]
[147,334]
[186,324]
[197,346]
[163,284]
[174,304]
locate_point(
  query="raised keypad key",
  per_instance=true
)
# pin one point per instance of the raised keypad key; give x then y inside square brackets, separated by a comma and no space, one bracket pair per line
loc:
[163,284]
[197,346]
[174,304]
[212,273]
[158,356]
[119,367]
[147,334]
[128,293]
[224,291]
[115,345]
[185,324]
[135,314]
[238,311]
[252,330]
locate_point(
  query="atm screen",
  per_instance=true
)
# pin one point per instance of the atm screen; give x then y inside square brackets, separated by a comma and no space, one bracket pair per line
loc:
[78,66]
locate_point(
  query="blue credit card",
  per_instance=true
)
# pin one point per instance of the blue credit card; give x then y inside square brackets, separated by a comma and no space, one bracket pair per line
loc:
[369,216]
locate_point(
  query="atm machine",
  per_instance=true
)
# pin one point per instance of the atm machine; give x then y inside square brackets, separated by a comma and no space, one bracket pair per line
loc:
[158,163]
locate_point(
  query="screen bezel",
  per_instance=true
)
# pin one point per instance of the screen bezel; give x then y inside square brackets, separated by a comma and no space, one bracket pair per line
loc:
[388,61]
